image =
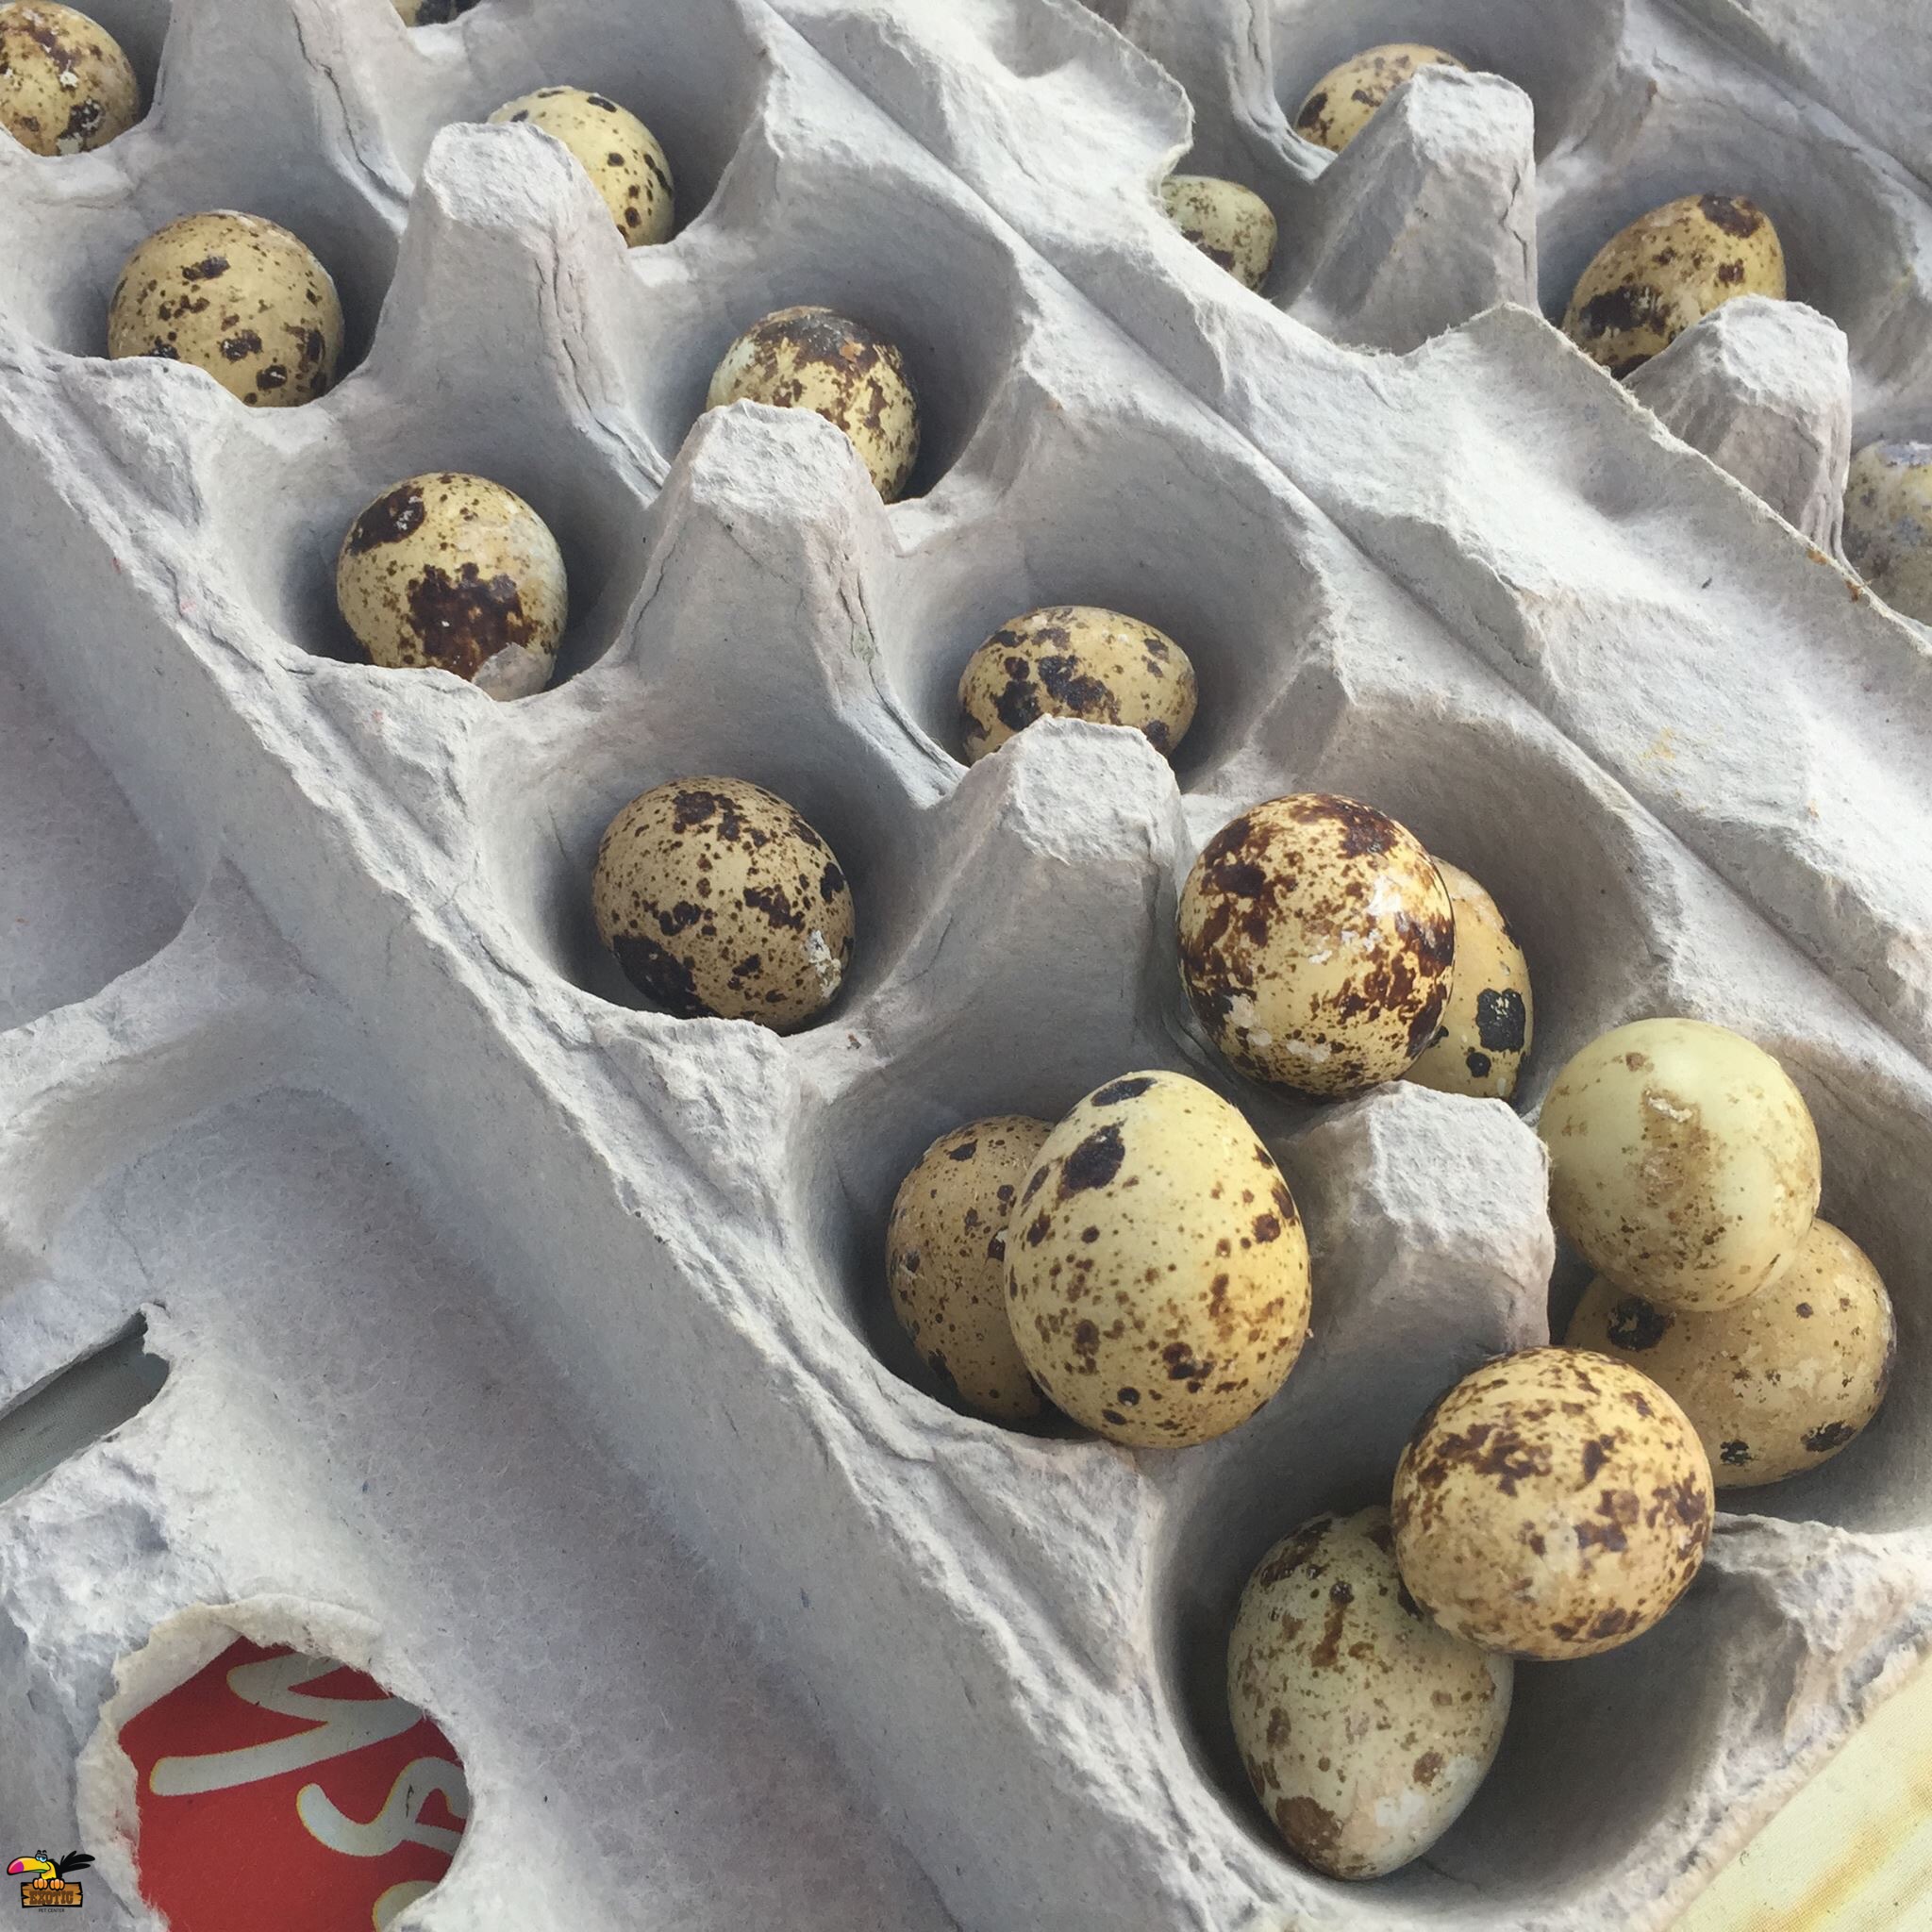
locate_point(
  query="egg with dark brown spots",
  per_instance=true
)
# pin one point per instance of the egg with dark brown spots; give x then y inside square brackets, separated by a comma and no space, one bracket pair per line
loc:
[66,85]
[1316,943]
[614,148]
[1228,222]
[235,295]
[812,358]
[432,12]
[1889,523]
[1553,1503]
[1364,1725]
[1156,1271]
[1484,1034]
[1074,660]
[1341,102]
[718,900]
[946,1261]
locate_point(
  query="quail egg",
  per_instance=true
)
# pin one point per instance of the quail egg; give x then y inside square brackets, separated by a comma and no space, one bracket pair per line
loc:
[1553,1503]
[1365,1726]
[1156,1271]
[1889,523]
[66,85]
[458,572]
[1073,661]
[946,1261]
[1316,941]
[1647,284]
[235,295]
[1683,1163]
[811,359]
[432,12]
[613,147]
[1483,1036]
[1776,1383]
[1229,223]
[1340,104]
[717,899]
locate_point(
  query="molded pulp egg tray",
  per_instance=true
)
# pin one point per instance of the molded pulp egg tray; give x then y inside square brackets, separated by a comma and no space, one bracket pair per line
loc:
[530,1349]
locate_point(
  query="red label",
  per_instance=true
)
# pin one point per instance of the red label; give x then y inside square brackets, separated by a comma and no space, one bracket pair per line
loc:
[276,1789]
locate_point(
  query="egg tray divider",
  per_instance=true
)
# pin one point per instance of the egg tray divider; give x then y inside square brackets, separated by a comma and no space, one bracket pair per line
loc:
[640,1258]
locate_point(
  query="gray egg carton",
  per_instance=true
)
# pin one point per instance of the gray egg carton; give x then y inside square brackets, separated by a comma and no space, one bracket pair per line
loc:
[531,1349]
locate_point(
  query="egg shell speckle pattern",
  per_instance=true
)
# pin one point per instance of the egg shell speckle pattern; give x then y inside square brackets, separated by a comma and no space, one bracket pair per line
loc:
[1668,270]
[1484,1034]
[1316,943]
[1340,104]
[812,358]
[1364,1725]
[1157,1274]
[1229,223]
[1074,660]
[719,899]
[1778,1383]
[235,295]
[613,147]
[1889,523]
[946,1261]
[1684,1165]
[66,85]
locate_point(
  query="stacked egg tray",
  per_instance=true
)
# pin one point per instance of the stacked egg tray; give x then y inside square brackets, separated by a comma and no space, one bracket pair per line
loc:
[531,1349]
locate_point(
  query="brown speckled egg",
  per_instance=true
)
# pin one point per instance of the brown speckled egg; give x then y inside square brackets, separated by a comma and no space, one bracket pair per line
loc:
[1073,661]
[946,1261]
[613,147]
[1553,1503]
[1683,1163]
[1316,942]
[1365,1726]
[237,297]
[1889,523]
[432,12]
[1340,104]
[1229,223]
[456,572]
[1775,1384]
[1484,1034]
[1647,284]
[66,85]
[1156,1271]
[717,899]
[811,359]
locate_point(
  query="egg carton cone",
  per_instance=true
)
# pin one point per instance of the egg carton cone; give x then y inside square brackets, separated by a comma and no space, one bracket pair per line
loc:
[382,1277]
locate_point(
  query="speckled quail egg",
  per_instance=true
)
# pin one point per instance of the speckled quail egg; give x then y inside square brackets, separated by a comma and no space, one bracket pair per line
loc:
[1156,1271]
[1074,660]
[1889,523]
[812,358]
[1647,284]
[1553,1503]
[946,1261]
[717,899]
[456,572]
[1316,943]
[1778,1383]
[1364,1725]
[613,147]
[235,295]
[1340,104]
[1229,223]
[1484,1034]
[1683,1161]
[432,12]
[66,85]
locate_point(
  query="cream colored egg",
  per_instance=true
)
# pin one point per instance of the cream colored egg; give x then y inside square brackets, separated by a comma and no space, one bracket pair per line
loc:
[1316,943]
[1889,523]
[613,147]
[1074,660]
[1683,1163]
[455,573]
[717,899]
[235,295]
[1669,269]
[1484,1034]
[432,12]
[812,358]
[1229,223]
[1553,1503]
[946,1261]
[1775,1384]
[1364,1725]
[66,85]
[1156,1271]
[1340,104]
